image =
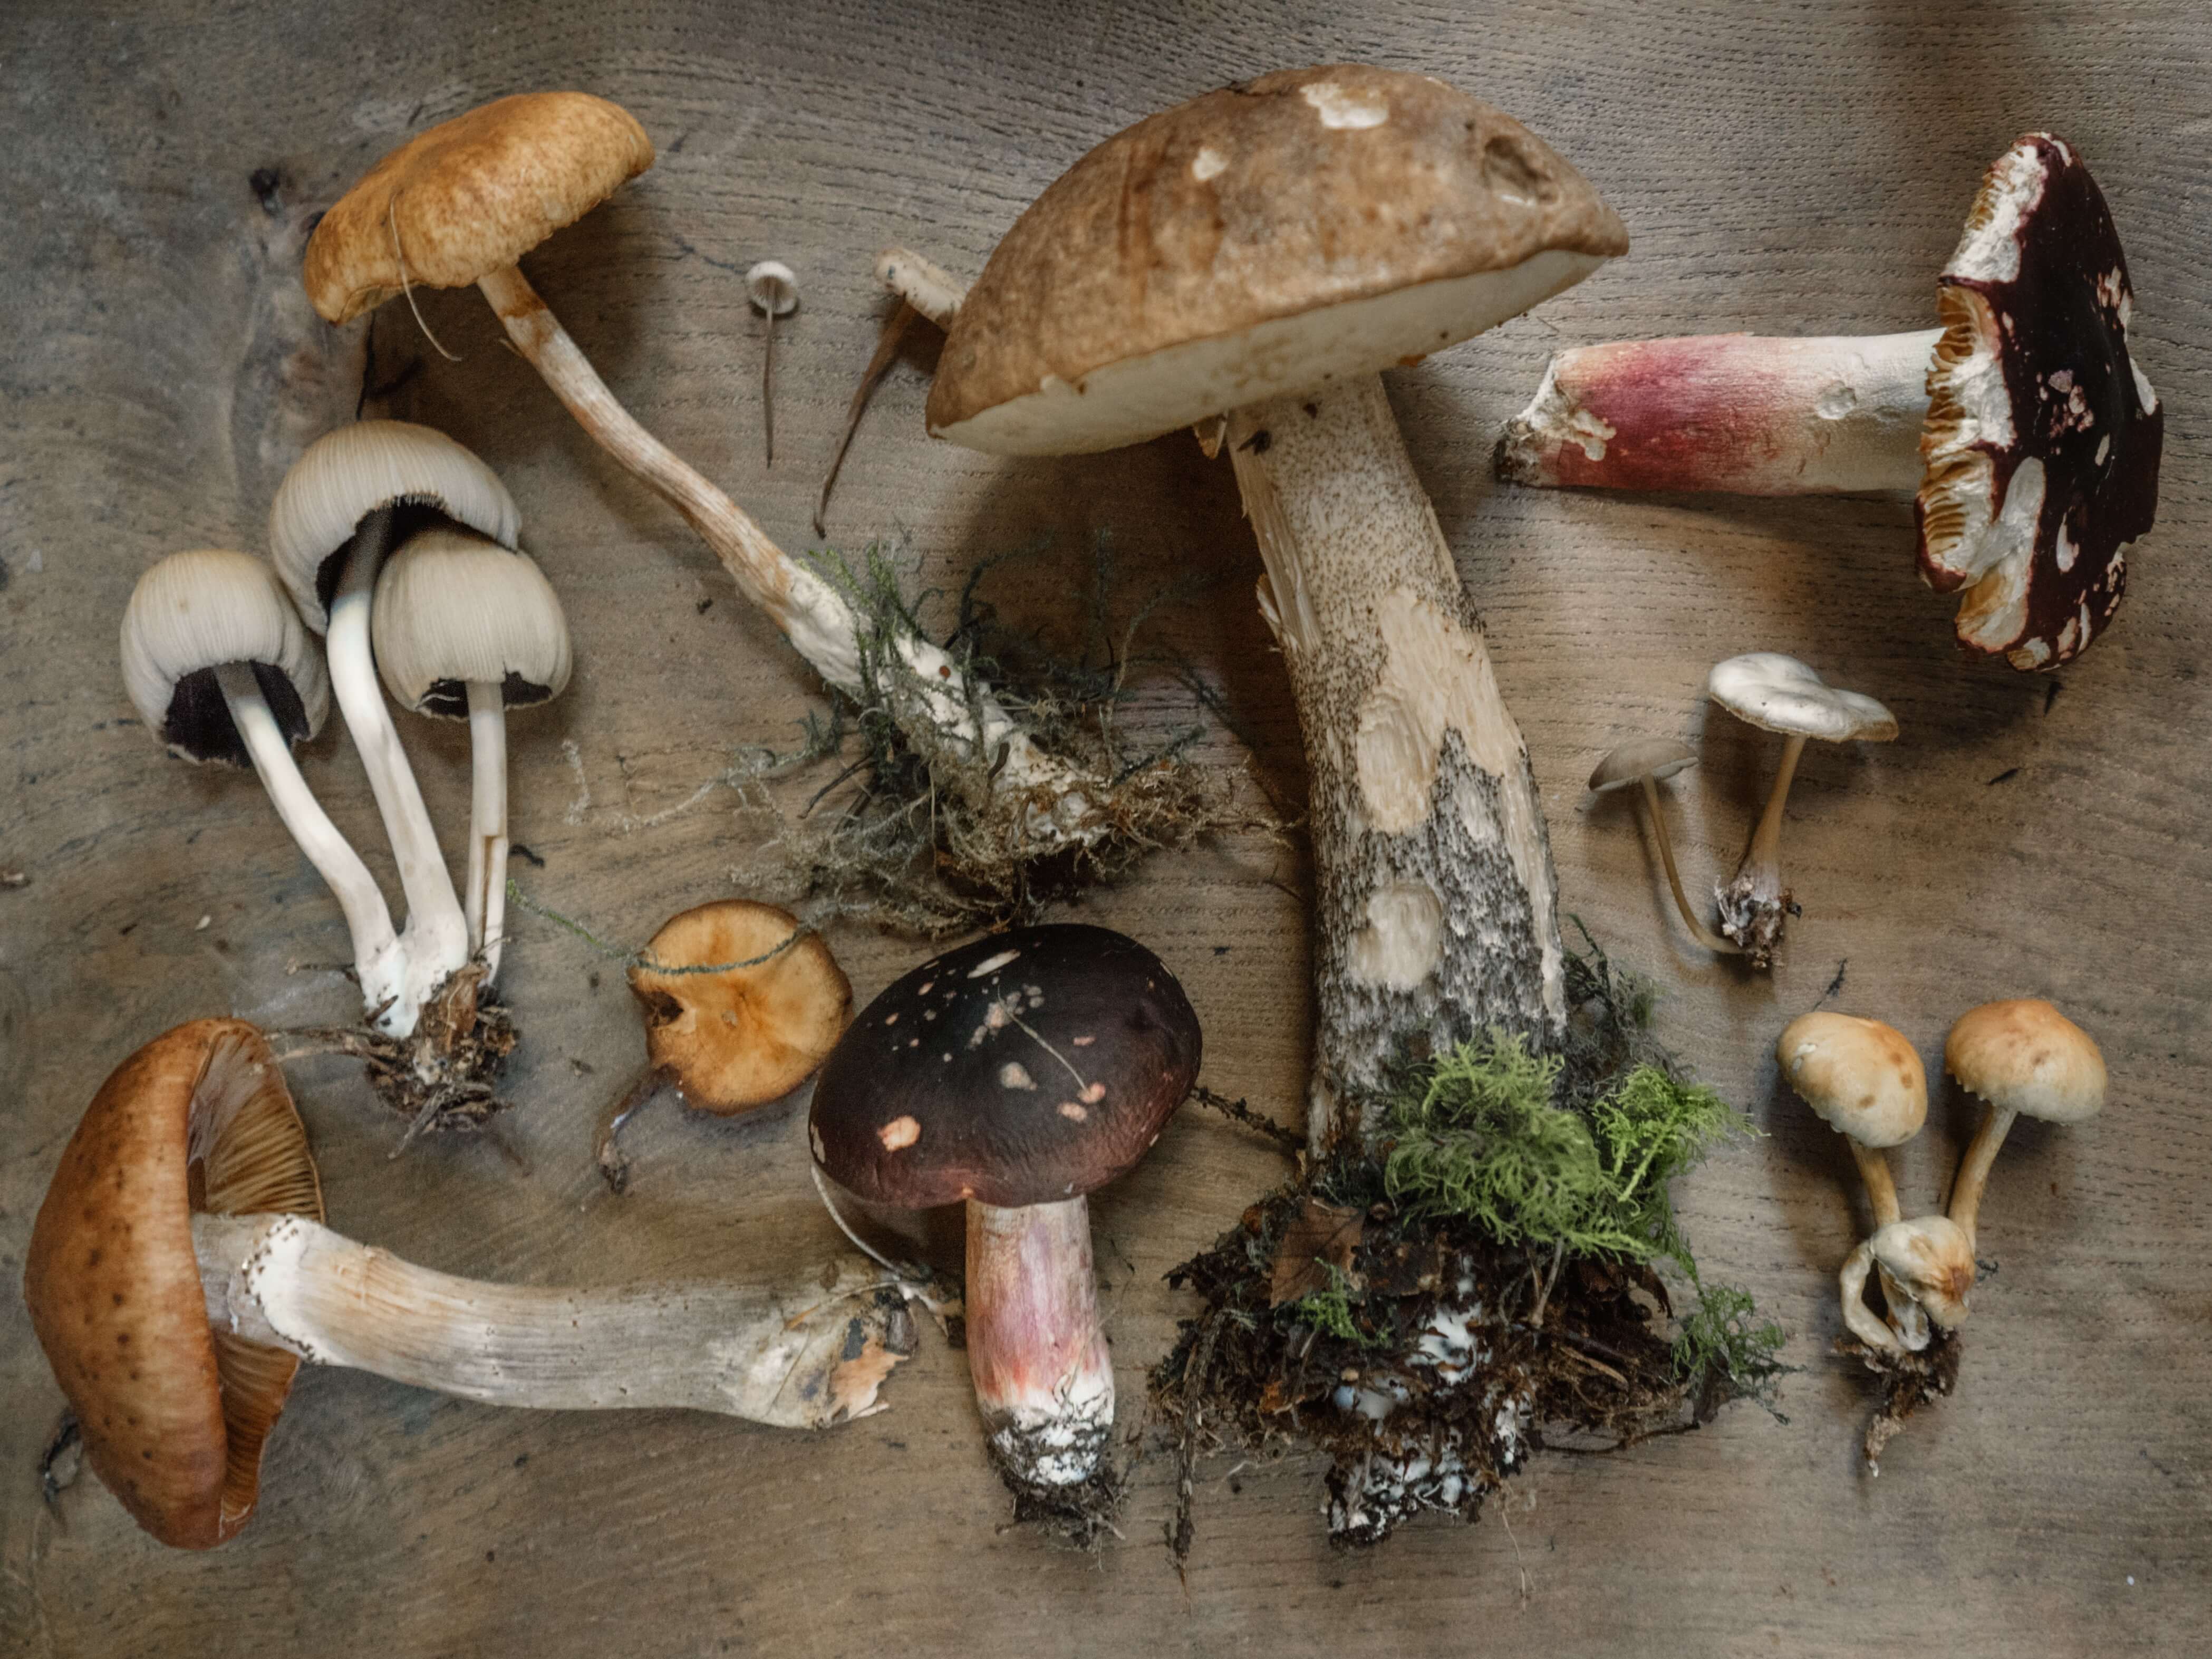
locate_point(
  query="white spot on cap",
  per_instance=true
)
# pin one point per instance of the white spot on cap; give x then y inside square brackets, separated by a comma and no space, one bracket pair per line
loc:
[2068,551]
[814,1140]
[926,985]
[1093,1093]
[1211,164]
[890,1020]
[1071,1112]
[899,1133]
[991,964]
[1014,1075]
[1083,1042]
[1340,107]
[2104,448]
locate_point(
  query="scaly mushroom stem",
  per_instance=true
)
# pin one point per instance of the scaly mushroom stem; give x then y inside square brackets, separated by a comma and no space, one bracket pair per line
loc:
[803,1354]
[436,940]
[1704,935]
[1043,1380]
[486,904]
[379,962]
[1754,904]
[1974,1170]
[1742,413]
[1057,807]
[1436,905]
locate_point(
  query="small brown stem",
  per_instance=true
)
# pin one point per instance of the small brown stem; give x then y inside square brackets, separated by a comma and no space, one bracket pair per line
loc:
[886,354]
[614,1165]
[1767,840]
[1974,1169]
[1704,935]
[768,389]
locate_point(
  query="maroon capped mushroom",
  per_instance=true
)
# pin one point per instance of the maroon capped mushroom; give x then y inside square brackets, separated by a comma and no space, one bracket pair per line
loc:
[1016,1074]
[2028,432]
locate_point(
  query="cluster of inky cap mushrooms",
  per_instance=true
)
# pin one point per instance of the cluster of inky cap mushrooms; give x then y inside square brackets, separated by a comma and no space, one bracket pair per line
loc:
[179,1267]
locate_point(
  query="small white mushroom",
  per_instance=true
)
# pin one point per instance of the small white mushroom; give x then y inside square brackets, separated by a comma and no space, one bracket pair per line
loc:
[774,293]
[1645,761]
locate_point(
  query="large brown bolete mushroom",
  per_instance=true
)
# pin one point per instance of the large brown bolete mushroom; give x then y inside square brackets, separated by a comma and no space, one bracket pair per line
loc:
[2030,435]
[1015,1075]
[460,205]
[1263,252]
[179,1270]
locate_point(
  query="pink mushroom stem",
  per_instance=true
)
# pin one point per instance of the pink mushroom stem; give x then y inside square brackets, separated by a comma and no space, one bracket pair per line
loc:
[1044,1381]
[1745,414]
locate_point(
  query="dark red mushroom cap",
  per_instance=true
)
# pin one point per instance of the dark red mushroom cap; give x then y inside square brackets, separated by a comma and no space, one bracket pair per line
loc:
[2042,438]
[1024,1068]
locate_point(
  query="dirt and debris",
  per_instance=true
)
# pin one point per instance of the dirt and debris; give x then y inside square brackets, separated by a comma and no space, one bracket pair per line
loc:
[1909,1381]
[62,1462]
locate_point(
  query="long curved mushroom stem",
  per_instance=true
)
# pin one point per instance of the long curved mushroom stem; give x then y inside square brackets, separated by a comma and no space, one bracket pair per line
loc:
[486,901]
[1742,413]
[1909,1318]
[1044,1381]
[1851,1283]
[803,1354]
[1753,902]
[436,940]
[379,962]
[813,616]
[1974,1169]
[1703,934]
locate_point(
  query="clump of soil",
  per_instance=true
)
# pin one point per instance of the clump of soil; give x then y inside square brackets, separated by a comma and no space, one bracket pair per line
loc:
[1480,1283]
[1908,1382]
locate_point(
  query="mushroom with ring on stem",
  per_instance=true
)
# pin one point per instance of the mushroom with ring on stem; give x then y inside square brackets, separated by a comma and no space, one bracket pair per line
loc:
[1777,693]
[1109,315]
[179,1271]
[2024,1059]
[459,205]
[352,495]
[1866,1082]
[466,628]
[2030,437]
[1645,761]
[220,668]
[1931,1260]
[741,1003]
[1016,1074]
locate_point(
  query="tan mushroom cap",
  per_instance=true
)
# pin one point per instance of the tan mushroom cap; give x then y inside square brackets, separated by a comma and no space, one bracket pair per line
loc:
[2024,1056]
[1639,757]
[1264,238]
[1777,693]
[749,1035]
[173,1414]
[1860,1075]
[470,197]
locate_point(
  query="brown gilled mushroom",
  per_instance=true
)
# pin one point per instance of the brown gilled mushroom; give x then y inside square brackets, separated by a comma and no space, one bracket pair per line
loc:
[179,1270]
[2023,423]
[2026,1059]
[1644,763]
[1015,1075]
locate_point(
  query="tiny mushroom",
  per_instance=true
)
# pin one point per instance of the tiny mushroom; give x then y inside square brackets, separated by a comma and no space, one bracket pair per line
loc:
[1016,1074]
[773,291]
[1644,763]
[1777,693]
[2030,437]
[220,668]
[466,628]
[1865,1081]
[350,497]
[2024,1059]
[741,1003]
[1930,1260]
[179,1271]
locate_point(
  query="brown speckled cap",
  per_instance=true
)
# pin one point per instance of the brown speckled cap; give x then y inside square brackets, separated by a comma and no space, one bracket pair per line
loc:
[174,1414]
[1863,1078]
[1027,1067]
[2023,1056]
[1263,238]
[471,196]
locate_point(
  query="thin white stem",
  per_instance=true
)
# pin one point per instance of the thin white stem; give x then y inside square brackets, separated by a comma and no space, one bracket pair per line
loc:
[1058,808]
[377,960]
[1742,413]
[487,883]
[1044,1381]
[437,941]
[805,1353]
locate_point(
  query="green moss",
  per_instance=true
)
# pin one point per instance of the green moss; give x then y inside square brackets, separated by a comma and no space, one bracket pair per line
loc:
[1329,1311]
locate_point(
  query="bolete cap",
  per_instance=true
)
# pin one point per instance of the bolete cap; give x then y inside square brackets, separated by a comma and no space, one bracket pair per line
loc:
[2042,438]
[1639,758]
[470,197]
[173,1414]
[346,475]
[1267,238]
[194,612]
[1860,1075]
[1780,693]
[741,1003]
[453,607]
[1027,1067]
[2024,1056]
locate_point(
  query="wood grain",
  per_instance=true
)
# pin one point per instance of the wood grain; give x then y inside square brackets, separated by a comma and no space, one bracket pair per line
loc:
[1780,168]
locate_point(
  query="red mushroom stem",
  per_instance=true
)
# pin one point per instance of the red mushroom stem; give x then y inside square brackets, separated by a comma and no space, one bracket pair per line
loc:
[1044,1381]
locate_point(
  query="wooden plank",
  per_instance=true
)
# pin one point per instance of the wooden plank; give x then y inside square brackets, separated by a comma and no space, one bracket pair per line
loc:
[1780,168]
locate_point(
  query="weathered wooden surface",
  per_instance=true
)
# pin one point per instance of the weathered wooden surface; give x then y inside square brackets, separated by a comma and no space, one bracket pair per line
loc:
[1780,168]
